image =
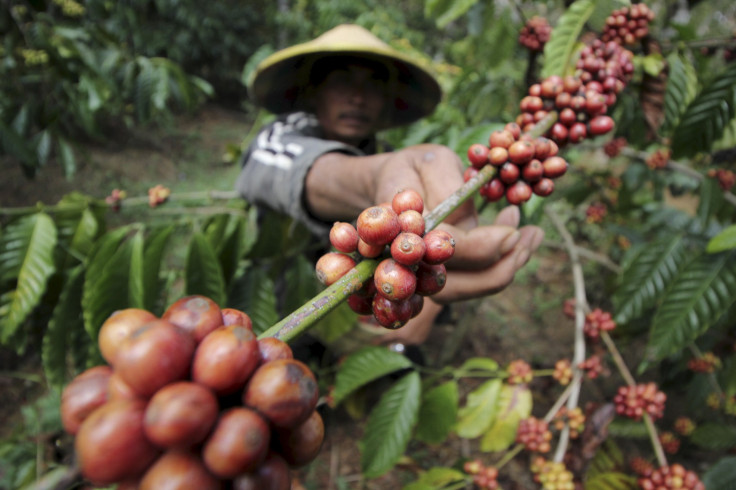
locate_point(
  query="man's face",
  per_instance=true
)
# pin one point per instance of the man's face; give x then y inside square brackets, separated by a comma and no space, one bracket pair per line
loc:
[350,103]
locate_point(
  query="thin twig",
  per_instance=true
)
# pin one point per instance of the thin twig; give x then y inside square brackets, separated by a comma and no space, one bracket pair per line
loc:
[585,253]
[618,359]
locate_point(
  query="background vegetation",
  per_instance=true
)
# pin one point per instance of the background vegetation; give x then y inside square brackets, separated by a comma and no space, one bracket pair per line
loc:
[79,73]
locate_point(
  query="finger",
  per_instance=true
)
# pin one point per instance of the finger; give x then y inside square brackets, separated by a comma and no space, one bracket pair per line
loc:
[482,246]
[508,216]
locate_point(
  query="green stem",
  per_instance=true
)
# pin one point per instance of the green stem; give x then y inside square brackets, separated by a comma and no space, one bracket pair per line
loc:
[446,207]
[303,318]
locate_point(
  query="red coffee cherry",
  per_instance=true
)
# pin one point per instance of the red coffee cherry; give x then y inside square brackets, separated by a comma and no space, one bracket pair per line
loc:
[554,167]
[417,304]
[332,266]
[344,237]
[196,314]
[285,391]
[271,348]
[518,193]
[440,246]
[544,187]
[532,171]
[180,415]
[117,327]
[362,305]
[392,314]
[393,280]
[232,316]
[478,155]
[600,125]
[272,474]
[238,443]
[111,446]
[502,138]
[178,469]
[509,173]
[117,389]
[153,356]
[514,128]
[521,152]
[378,225]
[578,132]
[225,359]
[493,190]
[83,395]
[369,251]
[498,156]
[412,221]
[408,248]
[300,445]
[407,199]
[430,278]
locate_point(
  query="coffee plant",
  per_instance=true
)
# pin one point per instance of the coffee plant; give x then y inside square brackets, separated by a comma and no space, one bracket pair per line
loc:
[653,119]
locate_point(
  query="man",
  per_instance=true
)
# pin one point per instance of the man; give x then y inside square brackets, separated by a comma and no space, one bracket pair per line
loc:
[321,162]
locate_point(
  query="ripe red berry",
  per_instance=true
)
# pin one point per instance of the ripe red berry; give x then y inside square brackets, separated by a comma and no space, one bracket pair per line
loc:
[498,156]
[520,152]
[532,171]
[430,278]
[378,225]
[478,155]
[544,187]
[509,173]
[501,138]
[407,199]
[518,193]
[392,314]
[344,237]
[554,167]
[332,266]
[600,125]
[394,281]
[440,246]
[369,251]
[408,248]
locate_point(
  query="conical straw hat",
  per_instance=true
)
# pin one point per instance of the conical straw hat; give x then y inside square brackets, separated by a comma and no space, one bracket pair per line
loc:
[279,82]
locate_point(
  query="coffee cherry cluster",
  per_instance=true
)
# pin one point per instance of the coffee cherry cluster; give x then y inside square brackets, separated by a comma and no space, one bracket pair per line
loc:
[613,148]
[574,419]
[627,25]
[670,477]
[592,366]
[192,398]
[484,477]
[634,401]
[534,434]
[684,426]
[726,178]
[658,159]
[670,442]
[520,372]
[641,466]
[535,34]
[157,195]
[563,372]
[597,321]
[551,475]
[596,212]
[413,261]
[605,67]
[525,165]
[707,363]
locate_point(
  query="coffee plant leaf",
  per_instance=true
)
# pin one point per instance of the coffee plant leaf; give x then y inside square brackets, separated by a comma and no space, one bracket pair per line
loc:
[613,480]
[67,156]
[27,263]
[390,425]
[514,404]
[203,272]
[78,231]
[723,241]
[646,275]
[155,248]
[253,293]
[437,413]
[702,292]
[301,283]
[711,201]
[456,9]
[66,319]
[482,364]
[607,458]
[559,51]
[480,410]
[714,436]
[113,279]
[682,86]
[721,475]
[364,366]
[603,9]
[622,427]
[707,116]
[437,478]
[226,233]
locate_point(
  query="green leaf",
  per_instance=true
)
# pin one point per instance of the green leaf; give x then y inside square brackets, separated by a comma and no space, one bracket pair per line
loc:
[613,480]
[721,475]
[608,458]
[333,328]
[710,202]
[107,281]
[455,9]
[68,160]
[437,478]
[707,116]
[482,364]
[364,366]
[653,64]
[154,250]
[301,283]
[714,436]
[480,409]
[390,425]
[438,413]
[28,246]
[699,296]
[559,50]
[254,294]
[514,404]
[66,320]
[632,429]
[202,271]
[77,232]
[723,241]
[647,275]
[682,86]
[229,244]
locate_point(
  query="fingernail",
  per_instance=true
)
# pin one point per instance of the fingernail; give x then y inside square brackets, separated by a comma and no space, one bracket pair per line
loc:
[510,242]
[522,258]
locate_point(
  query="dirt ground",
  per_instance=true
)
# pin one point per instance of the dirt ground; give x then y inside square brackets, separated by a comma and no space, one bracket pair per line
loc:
[524,321]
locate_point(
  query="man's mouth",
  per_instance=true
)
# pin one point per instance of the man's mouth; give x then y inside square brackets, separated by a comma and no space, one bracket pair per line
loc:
[355,117]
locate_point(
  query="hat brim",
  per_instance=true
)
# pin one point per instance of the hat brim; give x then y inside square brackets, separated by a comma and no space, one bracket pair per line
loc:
[279,82]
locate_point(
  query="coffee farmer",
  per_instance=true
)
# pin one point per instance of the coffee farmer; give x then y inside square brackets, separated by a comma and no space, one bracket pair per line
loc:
[320,160]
